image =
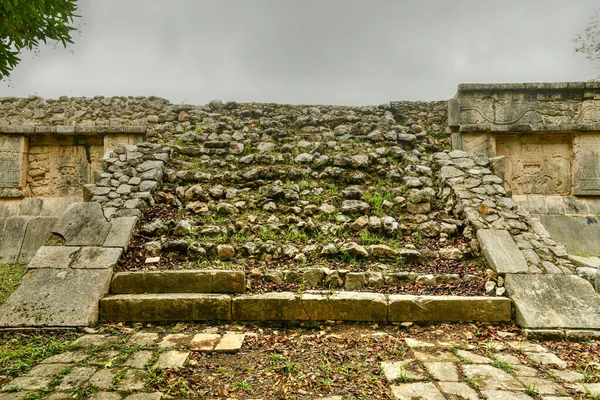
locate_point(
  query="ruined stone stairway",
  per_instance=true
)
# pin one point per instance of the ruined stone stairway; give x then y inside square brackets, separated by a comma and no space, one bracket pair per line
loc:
[203,295]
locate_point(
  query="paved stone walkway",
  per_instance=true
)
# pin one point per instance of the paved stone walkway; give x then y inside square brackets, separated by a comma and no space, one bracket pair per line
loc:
[93,368]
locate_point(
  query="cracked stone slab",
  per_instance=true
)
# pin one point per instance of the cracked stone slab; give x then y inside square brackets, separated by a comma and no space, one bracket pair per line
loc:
[53,257]
[458,390]
[554,301]
[97,257]
[83,224]
[501,252]
[393,369]
[56,297]
[12,234]
[28,383]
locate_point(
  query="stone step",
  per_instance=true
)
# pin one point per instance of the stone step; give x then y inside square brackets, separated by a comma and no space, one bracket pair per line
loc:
[194,281]
[318,306]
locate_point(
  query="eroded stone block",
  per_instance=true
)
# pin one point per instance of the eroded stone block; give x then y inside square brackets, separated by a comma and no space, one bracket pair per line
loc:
[83,224]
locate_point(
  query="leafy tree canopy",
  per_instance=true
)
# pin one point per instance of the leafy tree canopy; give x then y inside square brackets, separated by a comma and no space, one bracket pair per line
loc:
[26,23]
[588,43]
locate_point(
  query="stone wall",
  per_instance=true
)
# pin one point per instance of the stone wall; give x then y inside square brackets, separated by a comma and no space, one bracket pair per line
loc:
[549,133]
[159,115]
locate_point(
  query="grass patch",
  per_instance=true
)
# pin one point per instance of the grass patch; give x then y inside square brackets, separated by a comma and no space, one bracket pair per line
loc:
[19,352]
[10,277]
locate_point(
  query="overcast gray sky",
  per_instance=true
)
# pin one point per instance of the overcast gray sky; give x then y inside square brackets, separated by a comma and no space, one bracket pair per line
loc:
[308,51]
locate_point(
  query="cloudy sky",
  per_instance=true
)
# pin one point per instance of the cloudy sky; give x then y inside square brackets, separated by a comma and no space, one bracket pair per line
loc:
[307,51]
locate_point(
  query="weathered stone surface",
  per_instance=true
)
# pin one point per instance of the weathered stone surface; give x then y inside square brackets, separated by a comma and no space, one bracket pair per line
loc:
[505,395]
[284,306]
[448,308]
[204,341]
[50,297]
[175,340]
[96,340]
[120,233]
[76,377]
[36,234]
[358,306]
[166,307]
[13,154]
[458,391]
[105,396]
[488,377]
[57,257]
[134,379]
[96,258]
[501,252]
[443,371]
[143,339]
[139,359]
[28,383]
[578,233]
[172,359]
[200,281]
[11,238]
[393,369]
[554,301]
[102,379]
[230,343]
[83,224]
[419,390]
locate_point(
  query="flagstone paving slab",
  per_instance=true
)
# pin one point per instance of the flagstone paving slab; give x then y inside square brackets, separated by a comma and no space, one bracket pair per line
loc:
[28,383]
[443,371]
[458,391]
[172,359]
[76,377]
[393,370]
[488,377]
[504,395]
[105,396]
[143,339]
[410,391]
[547,359]
[139,359]
[230,343]
[174,340]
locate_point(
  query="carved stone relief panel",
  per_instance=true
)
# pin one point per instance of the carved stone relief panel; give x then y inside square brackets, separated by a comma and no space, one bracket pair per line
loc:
[13,165]
[60,165]
[537,163]
[586,163]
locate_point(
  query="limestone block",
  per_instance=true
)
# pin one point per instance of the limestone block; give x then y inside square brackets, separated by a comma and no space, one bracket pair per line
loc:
[358,306]
[284,306]
[11,238]
[96,258]
[166,307]
[586,164]
[201,281]
[448,308]
[83,224]
[13,163]
[38,230]
[57,257]
[554,301]
[501,252]
[120,233]
[56,297]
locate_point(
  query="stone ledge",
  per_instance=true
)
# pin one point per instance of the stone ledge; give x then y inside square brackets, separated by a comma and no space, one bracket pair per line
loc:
[70,129]
[473,87]
[166,307]
[287,306]
[200,281]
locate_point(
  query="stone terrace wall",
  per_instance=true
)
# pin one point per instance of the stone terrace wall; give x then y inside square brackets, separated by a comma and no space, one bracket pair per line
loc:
[160,115]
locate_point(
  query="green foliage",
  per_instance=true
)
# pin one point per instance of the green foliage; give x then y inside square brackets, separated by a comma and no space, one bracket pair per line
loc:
[24,24]
[503,365]
[588,43]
